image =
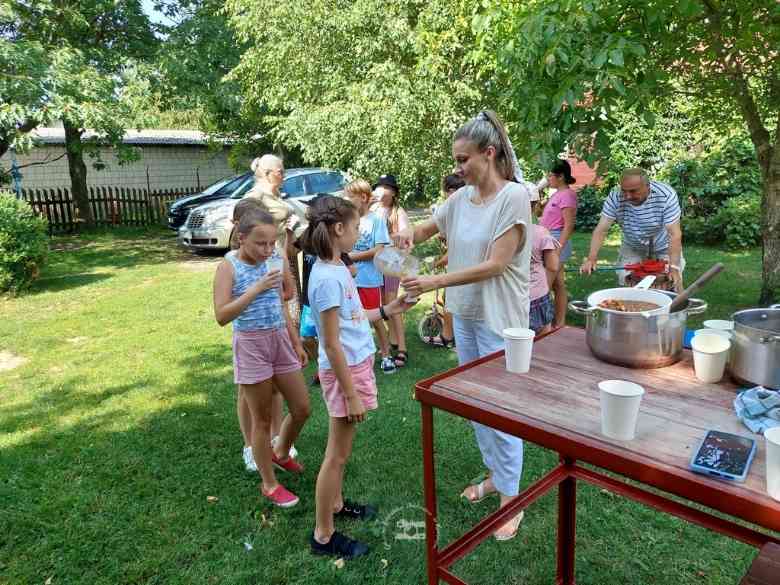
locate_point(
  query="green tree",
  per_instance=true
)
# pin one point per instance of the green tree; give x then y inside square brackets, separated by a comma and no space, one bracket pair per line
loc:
[200,49]
[582,60]
[368,85]
[82,62]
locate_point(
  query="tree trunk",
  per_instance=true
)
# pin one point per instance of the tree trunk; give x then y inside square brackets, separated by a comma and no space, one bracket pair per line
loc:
[770,204]
[78,172]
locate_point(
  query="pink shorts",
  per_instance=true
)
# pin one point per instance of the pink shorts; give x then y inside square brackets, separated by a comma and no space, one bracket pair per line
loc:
[259,354]
[362,379]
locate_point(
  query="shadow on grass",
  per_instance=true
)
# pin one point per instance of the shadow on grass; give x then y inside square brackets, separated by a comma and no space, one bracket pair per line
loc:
[90,504]
[66,281]
[86,258]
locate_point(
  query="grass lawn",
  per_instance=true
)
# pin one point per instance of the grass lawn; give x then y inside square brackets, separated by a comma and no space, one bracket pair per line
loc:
[120,425]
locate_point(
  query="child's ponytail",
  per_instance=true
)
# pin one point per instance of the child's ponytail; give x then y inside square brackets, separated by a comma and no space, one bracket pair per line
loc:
[323,214]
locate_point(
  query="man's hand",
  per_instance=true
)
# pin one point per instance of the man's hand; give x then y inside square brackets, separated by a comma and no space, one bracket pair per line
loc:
[677,280]
[588,266]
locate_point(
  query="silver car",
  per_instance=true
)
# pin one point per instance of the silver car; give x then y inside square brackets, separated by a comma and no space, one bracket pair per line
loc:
[209,226]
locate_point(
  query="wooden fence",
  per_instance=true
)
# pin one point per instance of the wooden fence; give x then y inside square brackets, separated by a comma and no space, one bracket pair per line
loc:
[110,206]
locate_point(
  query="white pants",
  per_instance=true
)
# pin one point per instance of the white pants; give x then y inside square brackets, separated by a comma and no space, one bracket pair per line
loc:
[502,453]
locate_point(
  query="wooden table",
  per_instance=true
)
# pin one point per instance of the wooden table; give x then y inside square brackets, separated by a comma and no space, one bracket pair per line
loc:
[556,405]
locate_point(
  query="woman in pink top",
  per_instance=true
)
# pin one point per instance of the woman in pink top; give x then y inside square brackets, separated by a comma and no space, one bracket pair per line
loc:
[559,216]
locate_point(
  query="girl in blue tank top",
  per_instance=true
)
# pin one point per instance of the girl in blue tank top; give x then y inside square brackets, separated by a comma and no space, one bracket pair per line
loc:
[266,348]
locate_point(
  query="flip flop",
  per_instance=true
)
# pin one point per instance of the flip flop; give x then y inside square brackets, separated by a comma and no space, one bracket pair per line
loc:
[480,493]
[440,341]
[515,522]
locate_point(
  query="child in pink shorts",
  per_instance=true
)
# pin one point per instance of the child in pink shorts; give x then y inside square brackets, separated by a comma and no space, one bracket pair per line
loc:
[266,346]
[346,359]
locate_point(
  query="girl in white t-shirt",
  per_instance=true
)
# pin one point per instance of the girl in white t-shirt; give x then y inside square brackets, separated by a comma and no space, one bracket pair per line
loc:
[346,363]
[487,225]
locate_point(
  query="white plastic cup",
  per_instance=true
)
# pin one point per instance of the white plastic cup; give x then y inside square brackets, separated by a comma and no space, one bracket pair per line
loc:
[519,347]
[720,333]
[719,324]
[619,408]
[772,437]
[275,263]
[710,354]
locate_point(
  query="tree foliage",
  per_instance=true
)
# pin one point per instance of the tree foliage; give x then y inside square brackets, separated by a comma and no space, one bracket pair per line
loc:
[368,85]
[580,61]
[79,61]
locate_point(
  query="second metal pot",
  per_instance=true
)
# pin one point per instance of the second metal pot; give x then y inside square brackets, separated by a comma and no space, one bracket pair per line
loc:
[634,340]
[755,358]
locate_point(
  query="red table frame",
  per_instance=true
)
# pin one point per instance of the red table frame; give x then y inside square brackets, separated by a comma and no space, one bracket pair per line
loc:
[564,476]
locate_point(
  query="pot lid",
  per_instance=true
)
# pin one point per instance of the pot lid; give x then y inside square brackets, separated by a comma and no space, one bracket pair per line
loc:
[763,319]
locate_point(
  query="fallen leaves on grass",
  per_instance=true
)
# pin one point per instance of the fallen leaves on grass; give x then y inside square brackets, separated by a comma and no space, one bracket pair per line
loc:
[265,521]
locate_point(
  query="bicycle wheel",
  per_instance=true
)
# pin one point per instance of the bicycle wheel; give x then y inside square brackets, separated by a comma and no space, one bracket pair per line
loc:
[430,326]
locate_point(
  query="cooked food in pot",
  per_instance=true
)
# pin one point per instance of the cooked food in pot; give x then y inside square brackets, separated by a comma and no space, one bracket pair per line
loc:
[628,306]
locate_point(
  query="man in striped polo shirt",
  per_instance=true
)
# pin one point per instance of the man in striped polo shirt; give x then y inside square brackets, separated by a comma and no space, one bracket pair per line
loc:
[649,213]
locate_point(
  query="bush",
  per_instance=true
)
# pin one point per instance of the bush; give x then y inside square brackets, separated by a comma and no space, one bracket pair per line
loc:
[739,220]
[24,244]
[721,172]
[589,202]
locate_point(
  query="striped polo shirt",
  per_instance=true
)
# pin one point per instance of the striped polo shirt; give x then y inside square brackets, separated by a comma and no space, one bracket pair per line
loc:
[647,222]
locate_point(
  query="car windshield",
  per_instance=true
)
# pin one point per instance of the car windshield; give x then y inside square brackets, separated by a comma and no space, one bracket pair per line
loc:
[211,189]
[242,188]
[228,189]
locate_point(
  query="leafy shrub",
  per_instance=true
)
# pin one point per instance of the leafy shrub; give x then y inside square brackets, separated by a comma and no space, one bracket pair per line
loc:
[589,202]
[739,220]
[24,244]
[705,181]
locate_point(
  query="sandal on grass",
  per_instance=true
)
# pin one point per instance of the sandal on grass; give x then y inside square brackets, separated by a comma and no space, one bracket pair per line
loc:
[476,493]
[401,358]
[514,523]
[440,341]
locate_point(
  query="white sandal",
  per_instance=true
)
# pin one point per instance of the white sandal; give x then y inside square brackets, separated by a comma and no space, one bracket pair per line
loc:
[480,492]
[515,522]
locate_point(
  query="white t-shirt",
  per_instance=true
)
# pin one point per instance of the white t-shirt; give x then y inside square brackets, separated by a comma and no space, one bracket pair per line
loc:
[503,300]
[331,285]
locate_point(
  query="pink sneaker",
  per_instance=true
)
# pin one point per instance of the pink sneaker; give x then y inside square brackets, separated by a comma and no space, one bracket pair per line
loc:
[288,464]
[281,496]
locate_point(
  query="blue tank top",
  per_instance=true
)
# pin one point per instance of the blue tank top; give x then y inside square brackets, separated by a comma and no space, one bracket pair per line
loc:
[265,311]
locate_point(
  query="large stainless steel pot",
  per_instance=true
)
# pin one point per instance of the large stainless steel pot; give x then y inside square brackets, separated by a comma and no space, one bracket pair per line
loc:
[755,358]
[635,340]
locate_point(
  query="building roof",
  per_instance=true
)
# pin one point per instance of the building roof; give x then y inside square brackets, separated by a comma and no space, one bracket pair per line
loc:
[134,137]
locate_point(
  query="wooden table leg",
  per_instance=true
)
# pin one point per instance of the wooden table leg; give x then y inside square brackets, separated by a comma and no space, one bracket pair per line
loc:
[567,513]
[429,481]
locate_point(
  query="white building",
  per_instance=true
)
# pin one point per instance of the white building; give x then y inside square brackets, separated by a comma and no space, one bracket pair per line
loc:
[170,159]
